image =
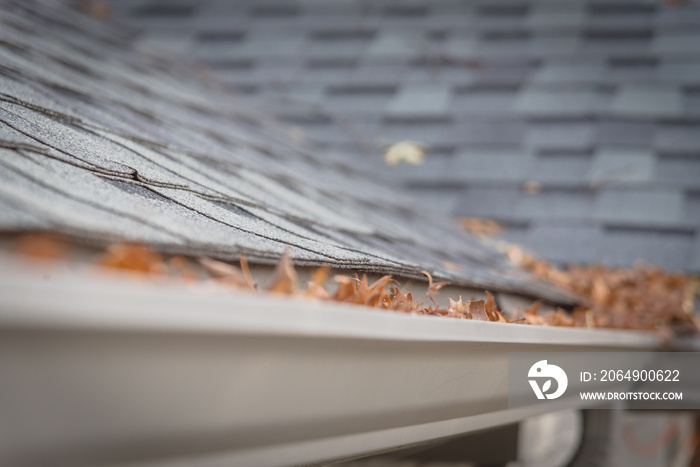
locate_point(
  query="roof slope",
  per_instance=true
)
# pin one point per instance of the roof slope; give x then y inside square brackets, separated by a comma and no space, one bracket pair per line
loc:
[597,101]
[99,142]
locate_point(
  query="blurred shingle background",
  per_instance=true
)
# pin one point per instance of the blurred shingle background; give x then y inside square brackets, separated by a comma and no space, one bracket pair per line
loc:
[596,101]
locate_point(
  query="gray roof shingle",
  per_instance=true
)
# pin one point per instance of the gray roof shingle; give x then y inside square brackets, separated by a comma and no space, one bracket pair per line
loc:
[103,143]
[627,166]
[575,88]
[647,101]
[639,206]
[670,248]
[422,101]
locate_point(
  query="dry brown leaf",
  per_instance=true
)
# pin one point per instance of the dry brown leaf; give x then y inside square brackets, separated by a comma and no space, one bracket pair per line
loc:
[42,246]
[224,272]
[480,226]
[397,300]
[246,272]
[491,308]
[284,280]
[133,257]
[502,318]
[534,309]
[458,307]
[433,290]
[433,287]
[535,319]
[477,310]
[345,290]
[375,293]
[315,287]
[560,318]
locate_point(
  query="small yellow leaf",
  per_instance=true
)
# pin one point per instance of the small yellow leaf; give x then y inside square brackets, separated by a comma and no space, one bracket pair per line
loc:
[410,152]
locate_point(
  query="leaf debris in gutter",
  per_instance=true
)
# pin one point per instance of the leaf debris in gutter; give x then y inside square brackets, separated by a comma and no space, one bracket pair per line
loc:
[642,297]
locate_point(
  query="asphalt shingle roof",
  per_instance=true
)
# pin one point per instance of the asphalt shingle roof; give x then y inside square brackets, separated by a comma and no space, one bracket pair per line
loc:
[597,101]
[103,143]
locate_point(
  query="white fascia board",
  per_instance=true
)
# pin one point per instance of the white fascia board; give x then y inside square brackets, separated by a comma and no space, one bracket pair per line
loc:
[100,369]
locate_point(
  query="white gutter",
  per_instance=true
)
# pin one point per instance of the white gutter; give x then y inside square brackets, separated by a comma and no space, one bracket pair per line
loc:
[105,370]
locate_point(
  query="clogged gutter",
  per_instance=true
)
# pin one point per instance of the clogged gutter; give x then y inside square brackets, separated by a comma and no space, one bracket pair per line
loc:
[642,297]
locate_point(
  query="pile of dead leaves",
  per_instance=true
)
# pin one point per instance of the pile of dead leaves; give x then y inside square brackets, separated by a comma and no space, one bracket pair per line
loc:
[383,293]
[642,297]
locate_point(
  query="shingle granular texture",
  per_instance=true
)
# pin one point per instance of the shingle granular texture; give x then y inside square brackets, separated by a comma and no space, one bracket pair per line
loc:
[593,96]
[103,143]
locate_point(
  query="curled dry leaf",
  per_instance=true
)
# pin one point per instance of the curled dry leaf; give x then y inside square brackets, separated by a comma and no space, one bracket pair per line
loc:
[345,290]
[477,310]
[457,309]
[246,272]
[531,314]
[225,273]
[433,287]
[284,280]
[502,318]
[457,306]
[399,301]
[493,311]
[372,295]
[315,288]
